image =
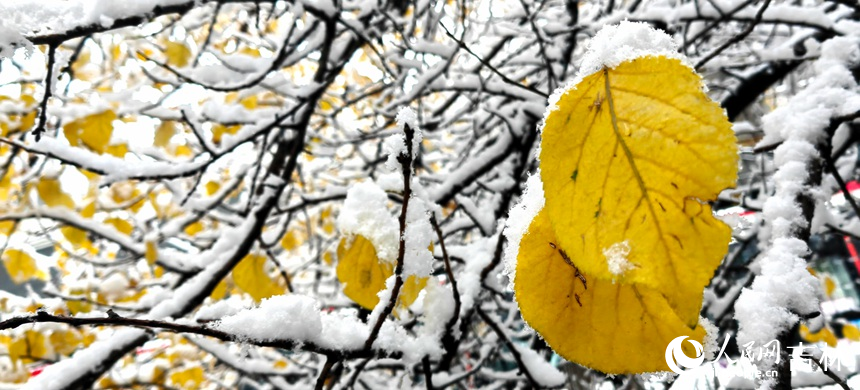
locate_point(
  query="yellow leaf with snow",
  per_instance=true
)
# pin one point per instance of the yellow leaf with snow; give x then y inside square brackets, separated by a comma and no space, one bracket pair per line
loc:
[629,160]
[586,319]
[364,275]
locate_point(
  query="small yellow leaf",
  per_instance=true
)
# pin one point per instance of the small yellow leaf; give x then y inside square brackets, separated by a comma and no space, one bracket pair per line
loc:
[851,332]
[829,285]
[151,252]
[290,241]
[194,228]
[94,131]
[612,327]
[50,192]
[824,335]
[119,150]
[177,54]
[628,161]
[364,276]
[212,187]
[121,225]
[250,275]
[188,378]
[21,266]
[164,133]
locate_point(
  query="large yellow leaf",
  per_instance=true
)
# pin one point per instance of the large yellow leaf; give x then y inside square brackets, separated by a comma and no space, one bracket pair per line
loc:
[250,275]
[609,326]
[628,160]
[21,266]
[94,131]
[363,275]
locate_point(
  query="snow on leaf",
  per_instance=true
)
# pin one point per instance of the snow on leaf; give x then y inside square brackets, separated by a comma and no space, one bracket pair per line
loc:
[615,328]
[623,160]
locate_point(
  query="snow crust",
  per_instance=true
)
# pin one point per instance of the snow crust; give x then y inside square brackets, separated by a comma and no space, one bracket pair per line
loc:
[365,212]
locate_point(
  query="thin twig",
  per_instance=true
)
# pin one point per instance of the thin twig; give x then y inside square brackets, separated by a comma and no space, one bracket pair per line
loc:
[839,381]
[405,160]
[736,38]
[43,107]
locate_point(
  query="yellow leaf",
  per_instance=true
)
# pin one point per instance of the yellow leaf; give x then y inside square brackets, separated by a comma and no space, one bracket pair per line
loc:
[31,346]
[363,275]
[64,342]
[121,225]
[212,187]
[164,133]
[824,335]
[194,228]
[21,266]
[6,228]
[188,378]
[177,54]
[77,237]
[290,241]
[118,150]
[829,285]
[50,192]
[151,252]
[851,332]
[220,291]
[628,161]
[218,131]
[94,131]
[612,327]
[250,275]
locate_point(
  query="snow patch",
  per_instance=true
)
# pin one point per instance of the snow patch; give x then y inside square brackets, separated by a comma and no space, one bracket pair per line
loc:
[616,257]
[519,220]
[365,213]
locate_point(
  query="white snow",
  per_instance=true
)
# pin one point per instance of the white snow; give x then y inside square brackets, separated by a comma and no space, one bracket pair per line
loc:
[365,213]
[616,257]
[418,259]
[395,145]
[784,287]
[519,219]
[613,45]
